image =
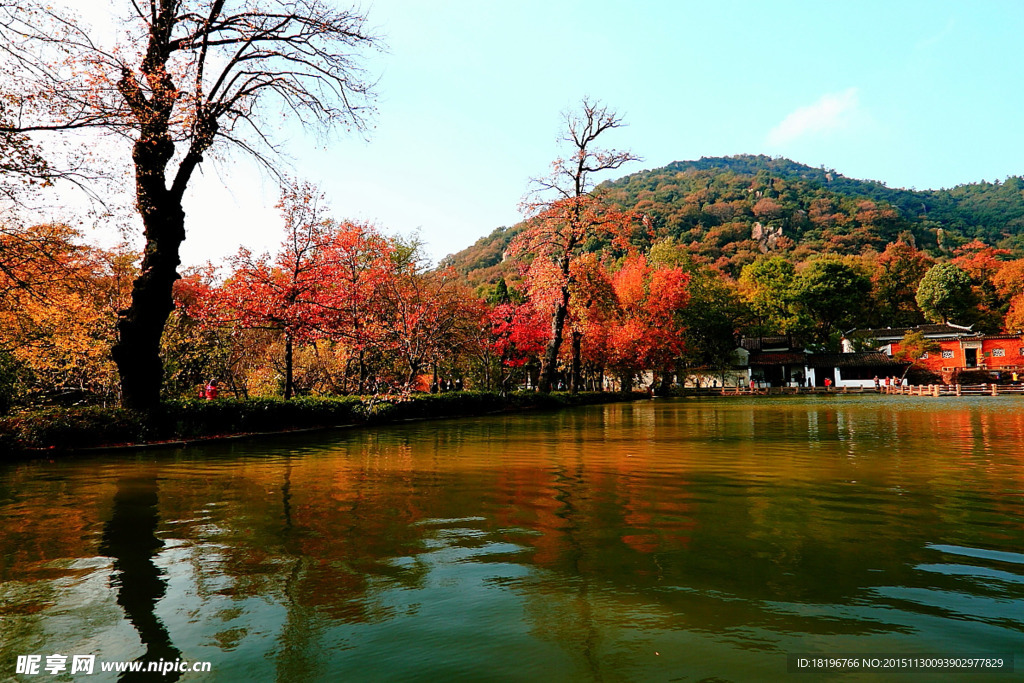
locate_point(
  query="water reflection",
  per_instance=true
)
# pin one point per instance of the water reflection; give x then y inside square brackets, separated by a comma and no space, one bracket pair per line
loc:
[129,537]
[567,546]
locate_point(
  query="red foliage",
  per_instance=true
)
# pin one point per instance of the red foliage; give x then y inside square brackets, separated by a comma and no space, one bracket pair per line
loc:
[519,333]
[979,260]
[648,333]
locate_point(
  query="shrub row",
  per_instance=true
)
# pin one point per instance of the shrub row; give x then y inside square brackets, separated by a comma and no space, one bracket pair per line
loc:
[68,429]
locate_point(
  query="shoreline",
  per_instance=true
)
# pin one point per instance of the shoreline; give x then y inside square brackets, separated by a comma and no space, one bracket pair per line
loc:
[67,432]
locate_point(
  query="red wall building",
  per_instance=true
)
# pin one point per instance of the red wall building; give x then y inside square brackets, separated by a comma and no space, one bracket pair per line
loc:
[989,352]
[960,349]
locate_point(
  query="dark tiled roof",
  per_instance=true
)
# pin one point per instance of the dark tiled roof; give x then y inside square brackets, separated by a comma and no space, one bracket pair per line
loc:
[826,360]
[777,342]
[853,360]
[778,358]
[898,332]
[1013,335]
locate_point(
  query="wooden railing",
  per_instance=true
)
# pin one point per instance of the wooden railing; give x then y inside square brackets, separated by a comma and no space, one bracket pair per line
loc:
[900,390]
[773,391]
[955,389]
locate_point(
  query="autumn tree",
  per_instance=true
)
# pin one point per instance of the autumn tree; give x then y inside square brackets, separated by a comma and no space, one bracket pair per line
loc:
[898,272]
[281,292]
[192,76]
[357,291]
[566,213]
[648,334]
[431,315]
[982,262]
[193,350]
[914,346]
[34,258]
[1014,321]
[1009,283]
[713,315]
[58,307]
[335,293]
[517,335]
[592,309]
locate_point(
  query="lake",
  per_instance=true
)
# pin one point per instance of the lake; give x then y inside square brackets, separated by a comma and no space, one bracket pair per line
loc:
[663,540]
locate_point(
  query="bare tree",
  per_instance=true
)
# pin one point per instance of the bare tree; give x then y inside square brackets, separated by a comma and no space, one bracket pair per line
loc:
[21,165]
[560,226]
[189,75]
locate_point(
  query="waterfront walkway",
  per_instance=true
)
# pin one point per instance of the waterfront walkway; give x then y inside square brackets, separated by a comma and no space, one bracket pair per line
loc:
[901,390]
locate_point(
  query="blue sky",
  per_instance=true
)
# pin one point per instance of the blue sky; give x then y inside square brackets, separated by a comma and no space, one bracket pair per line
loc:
[470,97]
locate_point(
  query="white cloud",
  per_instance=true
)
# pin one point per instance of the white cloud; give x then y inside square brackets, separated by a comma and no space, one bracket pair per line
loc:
[936,38]
[832,112]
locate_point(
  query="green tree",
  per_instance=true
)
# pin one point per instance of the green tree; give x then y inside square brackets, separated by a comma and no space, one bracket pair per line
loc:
[832,294]
[193,354]
[11,381]
[767,287]
[710,322]
[945,294]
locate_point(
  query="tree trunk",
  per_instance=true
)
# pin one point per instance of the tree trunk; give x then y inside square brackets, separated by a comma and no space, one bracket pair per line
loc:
[550,360]
[140,326]
[289,357]
[414,369]
[362,372]
[576,379]
[665,385]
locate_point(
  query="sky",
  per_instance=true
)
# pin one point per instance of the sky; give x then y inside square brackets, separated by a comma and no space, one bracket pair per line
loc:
[471,98]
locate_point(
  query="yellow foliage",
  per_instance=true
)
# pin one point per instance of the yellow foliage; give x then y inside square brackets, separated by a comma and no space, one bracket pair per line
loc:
[58,306]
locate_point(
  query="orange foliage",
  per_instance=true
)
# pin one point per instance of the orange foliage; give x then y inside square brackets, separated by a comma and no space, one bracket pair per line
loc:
[648,333]
[58,306]
[979,260]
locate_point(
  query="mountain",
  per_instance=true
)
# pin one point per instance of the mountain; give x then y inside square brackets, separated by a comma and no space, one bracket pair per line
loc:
[729,210]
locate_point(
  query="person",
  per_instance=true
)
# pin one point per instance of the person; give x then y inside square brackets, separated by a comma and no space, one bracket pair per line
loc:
[211,390]
[828,384]
[751,385]
[877,383]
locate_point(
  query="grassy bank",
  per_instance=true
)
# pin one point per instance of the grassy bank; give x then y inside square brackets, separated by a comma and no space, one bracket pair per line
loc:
[70,429]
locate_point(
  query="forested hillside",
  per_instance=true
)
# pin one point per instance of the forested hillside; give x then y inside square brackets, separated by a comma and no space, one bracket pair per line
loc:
[728,211]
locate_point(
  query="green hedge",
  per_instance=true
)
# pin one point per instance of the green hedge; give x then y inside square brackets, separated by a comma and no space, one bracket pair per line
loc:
[69,429]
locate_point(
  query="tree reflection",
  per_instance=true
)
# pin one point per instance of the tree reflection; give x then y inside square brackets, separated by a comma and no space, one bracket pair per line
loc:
[804,525]
[130,539]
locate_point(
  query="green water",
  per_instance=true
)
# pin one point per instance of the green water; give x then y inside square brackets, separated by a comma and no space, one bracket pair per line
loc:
[675,540]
